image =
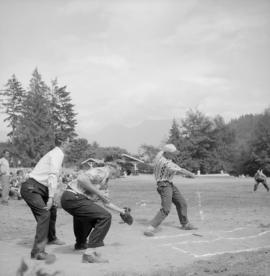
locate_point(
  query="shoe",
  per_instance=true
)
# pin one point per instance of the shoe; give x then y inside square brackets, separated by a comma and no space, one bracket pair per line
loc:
[80,246]
[56,242]
[150,231]
[41,256]
[93,258]
[189,226]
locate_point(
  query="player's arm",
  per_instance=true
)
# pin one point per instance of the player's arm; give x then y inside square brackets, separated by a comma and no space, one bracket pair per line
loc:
[55,165]
[88,186]
[176,168]
[114,207]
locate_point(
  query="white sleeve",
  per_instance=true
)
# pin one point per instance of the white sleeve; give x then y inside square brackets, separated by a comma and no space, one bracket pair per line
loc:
[55,167]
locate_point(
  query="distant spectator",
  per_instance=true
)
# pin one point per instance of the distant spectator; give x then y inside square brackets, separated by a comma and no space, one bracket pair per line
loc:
[4,177]
[260,177]
[16,182]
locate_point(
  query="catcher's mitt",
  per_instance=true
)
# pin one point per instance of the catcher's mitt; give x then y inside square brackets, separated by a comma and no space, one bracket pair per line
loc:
[127,217]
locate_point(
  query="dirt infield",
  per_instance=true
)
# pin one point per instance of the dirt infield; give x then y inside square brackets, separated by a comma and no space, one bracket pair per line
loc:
[233,236]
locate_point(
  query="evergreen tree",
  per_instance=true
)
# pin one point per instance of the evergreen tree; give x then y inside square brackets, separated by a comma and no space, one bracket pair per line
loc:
[174,134]
[35,136]
[260,144]
[62,111]
[196,130]
[223,151]
[78,151]
[13,97]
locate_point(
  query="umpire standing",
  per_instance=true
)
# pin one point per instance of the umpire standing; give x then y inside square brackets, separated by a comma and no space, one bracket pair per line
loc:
[38,192]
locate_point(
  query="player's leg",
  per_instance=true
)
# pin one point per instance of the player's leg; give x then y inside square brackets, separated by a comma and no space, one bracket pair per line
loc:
[4,179]
[166,202]
[181,206]
[52,238]
[165,193]
[82,228]
[33,194]
[256,186]
[265,185]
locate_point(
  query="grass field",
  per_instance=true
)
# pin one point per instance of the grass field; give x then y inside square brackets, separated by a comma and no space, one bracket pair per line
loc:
[233,236]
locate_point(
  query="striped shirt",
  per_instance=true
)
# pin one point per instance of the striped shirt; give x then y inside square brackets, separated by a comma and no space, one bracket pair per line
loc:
[164,169]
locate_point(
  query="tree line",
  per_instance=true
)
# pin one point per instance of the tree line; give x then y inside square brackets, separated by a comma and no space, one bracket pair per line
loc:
[209,145]
[36,115]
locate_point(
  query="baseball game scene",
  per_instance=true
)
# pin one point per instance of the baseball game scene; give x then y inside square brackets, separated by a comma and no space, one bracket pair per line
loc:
[135,138]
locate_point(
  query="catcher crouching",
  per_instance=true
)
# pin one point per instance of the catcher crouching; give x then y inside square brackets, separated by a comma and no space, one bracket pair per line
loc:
[86,198]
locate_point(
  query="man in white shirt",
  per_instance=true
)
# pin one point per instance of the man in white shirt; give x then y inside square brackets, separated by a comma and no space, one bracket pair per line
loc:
[38,191]
[4,176]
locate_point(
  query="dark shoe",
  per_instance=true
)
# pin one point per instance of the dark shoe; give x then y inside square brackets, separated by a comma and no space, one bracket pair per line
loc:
[80,246]
[93,258]
[149,233]
[56,242]
[189,226]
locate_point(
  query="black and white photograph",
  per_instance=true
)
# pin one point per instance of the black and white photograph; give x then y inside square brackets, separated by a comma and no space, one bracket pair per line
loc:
[135,137]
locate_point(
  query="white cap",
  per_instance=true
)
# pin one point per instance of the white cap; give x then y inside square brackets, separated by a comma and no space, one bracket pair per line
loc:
[170,148]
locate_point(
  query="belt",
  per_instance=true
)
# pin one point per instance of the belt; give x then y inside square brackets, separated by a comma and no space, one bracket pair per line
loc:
[164,181]
[71,190]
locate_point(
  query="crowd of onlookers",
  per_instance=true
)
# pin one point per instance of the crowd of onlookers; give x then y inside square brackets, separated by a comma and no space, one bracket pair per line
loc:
[17,177]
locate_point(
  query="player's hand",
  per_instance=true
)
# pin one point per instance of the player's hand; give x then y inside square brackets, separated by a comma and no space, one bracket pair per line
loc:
[105,199]
[49,204]
[191,175]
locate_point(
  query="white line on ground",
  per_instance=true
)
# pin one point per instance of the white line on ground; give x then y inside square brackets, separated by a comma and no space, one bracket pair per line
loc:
[218,239]
[219,253]
[167,236]
[231,252]
[233,230]
[200,206]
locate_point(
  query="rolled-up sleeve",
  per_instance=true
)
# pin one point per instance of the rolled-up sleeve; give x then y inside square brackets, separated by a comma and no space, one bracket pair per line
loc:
[55,161]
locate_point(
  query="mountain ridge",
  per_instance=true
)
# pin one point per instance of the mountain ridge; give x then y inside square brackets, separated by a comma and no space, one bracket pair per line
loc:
[150,132]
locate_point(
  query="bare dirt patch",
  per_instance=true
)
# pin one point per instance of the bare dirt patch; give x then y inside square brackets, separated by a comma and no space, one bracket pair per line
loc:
[233,236]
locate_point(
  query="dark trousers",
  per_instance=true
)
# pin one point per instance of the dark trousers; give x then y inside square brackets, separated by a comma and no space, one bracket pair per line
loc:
[36,197]
[264,184]
[170,194]
[88,218]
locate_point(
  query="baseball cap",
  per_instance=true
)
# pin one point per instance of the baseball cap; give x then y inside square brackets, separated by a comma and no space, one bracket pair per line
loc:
[170,148]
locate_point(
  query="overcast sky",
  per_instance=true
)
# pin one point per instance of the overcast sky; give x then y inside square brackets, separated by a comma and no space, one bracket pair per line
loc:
[126,61]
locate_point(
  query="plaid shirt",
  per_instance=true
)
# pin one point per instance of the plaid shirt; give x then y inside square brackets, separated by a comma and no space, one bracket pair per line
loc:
[164,169]
[97,176]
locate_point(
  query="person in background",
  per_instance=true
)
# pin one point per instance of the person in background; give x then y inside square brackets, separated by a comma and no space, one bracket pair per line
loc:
[260,177]
[164,171]
[16,182]
[38,191]
[4,177]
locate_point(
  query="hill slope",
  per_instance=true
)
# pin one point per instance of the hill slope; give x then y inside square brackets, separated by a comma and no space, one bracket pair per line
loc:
[151,132]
